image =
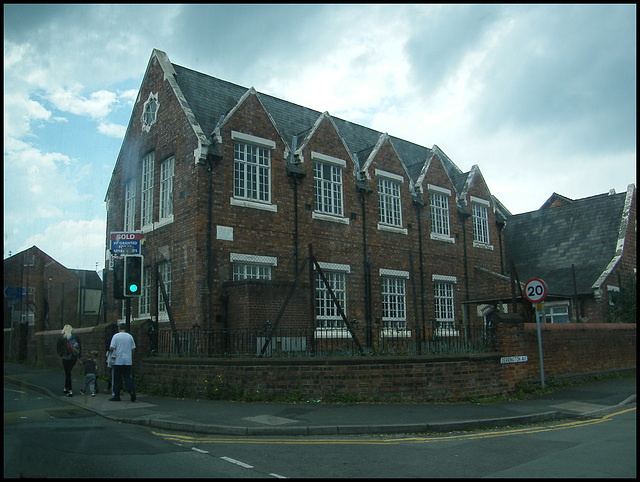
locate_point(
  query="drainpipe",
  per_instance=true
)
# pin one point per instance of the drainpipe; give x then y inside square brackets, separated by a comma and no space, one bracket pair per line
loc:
[418,202]
[464,215]
[296,172]
[213,157]
[363,188]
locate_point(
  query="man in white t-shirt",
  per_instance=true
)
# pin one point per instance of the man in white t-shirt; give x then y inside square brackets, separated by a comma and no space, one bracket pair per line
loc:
[122,345]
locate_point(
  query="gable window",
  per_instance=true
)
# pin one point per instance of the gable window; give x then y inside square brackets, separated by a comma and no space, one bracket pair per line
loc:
[328,188]
[165,275]
[443,289]
[389,206]
[247,266]
[150,111]
[327,314]
[251,171]
[146,210]
[166,189]
[480,213]
[439,207]
[129,205]
[394,299]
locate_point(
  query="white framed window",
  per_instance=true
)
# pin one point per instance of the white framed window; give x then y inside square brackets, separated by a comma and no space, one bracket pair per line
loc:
[146,204]
[439,208]
[394,302]
[556,312]
[389,205]
[166,189]
[327,181]
[145,299]
[444,307]
[480,214]
[252,172]
[327,314]
[149,112]
[129,205]
[248,266]
[251,271]
[165,275]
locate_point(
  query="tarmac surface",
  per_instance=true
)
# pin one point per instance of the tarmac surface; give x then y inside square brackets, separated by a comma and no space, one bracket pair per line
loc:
[592,399]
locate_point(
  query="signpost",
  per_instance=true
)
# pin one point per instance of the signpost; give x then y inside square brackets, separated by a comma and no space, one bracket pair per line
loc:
[535,291]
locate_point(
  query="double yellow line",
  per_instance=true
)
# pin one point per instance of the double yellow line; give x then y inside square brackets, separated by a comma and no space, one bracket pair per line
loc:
[189,439]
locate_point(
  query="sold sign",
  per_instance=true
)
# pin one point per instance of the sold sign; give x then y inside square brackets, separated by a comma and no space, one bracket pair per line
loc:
[535,290]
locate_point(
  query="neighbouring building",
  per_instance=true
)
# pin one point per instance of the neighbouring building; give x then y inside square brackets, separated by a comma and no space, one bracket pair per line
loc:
[583,249]
[232,189]
[40,294]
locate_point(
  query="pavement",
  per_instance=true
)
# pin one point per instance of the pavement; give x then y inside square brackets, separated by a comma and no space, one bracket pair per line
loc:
[592,399]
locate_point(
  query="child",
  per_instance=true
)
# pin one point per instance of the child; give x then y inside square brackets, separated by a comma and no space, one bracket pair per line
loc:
[90,373]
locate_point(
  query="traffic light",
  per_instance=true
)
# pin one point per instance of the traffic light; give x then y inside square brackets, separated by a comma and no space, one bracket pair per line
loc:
[133,276]
[118,278]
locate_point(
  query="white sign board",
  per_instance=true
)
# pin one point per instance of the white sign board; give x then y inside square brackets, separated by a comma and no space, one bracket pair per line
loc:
[124,243]
[514,359]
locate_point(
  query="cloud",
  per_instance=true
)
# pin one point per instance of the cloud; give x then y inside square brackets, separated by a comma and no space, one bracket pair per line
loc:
[112,130]
[76,244]
[97,106]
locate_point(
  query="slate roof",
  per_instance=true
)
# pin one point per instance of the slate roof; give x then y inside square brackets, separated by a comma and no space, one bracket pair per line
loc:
[584,232]
[89,279]
[210,99]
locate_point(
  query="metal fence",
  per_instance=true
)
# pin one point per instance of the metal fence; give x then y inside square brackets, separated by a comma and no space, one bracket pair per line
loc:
[299,342]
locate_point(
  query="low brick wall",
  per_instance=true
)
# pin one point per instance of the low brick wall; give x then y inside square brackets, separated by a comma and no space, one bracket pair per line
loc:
[569,350]
[397,378]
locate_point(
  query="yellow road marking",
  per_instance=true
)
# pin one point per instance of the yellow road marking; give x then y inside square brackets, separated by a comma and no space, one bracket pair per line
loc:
[388,441]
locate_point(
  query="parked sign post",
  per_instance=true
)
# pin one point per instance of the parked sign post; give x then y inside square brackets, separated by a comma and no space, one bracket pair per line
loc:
[535,291]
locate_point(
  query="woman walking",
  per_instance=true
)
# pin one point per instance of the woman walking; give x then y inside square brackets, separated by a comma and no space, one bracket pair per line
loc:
[69,349]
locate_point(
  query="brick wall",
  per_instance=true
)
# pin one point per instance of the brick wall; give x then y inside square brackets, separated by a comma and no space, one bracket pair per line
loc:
[569,350]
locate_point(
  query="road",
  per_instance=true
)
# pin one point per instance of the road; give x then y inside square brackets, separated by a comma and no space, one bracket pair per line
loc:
[48,437]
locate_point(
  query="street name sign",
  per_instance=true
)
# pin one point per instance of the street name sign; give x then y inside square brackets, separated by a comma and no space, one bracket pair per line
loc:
[514,359]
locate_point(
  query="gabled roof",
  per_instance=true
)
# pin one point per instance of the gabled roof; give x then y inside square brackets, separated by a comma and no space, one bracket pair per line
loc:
[211,99]
[585,233]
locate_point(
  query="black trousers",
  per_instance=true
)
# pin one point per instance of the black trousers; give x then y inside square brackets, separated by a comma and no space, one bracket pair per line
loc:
[68,366]
[120,372]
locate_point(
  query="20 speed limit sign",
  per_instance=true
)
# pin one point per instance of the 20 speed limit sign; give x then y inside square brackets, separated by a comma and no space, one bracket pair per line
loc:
[535,290]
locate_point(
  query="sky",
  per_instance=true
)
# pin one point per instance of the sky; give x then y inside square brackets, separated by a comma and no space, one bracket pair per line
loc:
[542,98]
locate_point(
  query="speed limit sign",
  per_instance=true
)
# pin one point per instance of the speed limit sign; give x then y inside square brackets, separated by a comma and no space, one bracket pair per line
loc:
[535,290]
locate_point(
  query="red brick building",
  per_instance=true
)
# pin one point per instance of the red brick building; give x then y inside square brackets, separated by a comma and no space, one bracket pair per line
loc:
[45,295]
[230,187]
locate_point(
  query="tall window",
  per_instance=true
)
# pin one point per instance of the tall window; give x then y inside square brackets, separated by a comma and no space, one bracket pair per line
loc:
[252,172]
[165,276]
[389,202]
[439,213]
[328,188]
[394,303]
[145,299]
[166,188]
[130,206]
[327,314]
[147,190]
[443,294]
[480,223]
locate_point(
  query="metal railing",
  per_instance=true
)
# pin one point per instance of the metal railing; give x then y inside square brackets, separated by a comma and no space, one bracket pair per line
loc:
[300,342]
